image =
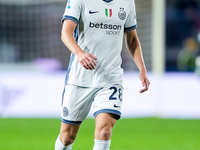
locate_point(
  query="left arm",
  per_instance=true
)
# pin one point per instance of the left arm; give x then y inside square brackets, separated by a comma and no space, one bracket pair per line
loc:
[134,47]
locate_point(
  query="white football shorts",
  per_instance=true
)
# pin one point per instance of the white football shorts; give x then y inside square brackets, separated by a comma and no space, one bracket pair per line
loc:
[78,100]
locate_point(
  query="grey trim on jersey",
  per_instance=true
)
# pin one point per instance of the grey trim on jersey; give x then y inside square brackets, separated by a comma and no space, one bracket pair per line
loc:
[74,20]
[130,28]
[66,17]
[63,96]
[69,68]
[71,122]
[110,111]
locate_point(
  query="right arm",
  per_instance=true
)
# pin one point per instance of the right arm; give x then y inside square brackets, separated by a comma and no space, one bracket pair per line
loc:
[85,59]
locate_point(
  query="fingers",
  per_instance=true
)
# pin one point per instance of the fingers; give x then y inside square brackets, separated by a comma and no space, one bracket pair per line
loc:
[87,64]
[87,61]
[145,84]
[93,57]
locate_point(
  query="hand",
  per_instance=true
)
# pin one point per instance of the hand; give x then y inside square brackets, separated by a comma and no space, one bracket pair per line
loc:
[145,82]
[87,60]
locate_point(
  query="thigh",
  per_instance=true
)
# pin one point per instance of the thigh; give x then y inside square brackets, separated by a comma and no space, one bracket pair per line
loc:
[109,100]
[76,104]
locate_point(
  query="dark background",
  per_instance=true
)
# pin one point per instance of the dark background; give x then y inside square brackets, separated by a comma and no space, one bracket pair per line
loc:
[29,31]
[182,23]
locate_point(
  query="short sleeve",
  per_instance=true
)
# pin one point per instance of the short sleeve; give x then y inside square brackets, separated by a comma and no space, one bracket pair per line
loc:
[131,22]
[72,11]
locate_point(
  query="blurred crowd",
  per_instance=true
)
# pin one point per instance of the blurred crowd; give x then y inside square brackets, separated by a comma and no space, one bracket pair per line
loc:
[182,35]
[30,32]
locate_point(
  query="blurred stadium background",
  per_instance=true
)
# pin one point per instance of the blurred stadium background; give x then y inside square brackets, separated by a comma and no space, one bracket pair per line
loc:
[34,61]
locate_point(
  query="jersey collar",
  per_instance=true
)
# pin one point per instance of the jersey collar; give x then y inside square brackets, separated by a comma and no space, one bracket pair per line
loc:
[107,1]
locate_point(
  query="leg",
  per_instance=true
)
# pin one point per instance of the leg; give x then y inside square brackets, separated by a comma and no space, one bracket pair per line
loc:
[68,133]
[66,137]
[104,125]
[103,131]
[75,108]
[107,109]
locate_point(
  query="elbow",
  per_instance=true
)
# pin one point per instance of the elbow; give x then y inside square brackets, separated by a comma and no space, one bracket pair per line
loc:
[132,45]
[62,36]
[135,44]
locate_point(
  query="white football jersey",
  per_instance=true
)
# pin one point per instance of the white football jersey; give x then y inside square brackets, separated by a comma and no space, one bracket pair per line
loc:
[104,25]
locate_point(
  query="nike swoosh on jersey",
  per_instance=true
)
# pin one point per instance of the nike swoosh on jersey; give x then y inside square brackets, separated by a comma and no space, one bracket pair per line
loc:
[116,106]
[92,12]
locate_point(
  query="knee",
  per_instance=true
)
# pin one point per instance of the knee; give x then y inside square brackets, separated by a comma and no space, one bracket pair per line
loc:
[105,133]
[67,138]
[104,126]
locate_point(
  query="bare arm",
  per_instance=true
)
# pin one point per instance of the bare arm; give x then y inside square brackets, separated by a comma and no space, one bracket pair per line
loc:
[135,50]
[85,59]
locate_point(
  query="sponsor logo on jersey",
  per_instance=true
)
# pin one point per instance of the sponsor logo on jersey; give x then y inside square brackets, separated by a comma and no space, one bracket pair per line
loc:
[104,26]
[108,12]
[93,12]
[68,4]
[122,14]
[110,29]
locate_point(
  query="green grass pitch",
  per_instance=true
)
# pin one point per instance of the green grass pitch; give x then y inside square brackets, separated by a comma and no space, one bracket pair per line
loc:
[128,134]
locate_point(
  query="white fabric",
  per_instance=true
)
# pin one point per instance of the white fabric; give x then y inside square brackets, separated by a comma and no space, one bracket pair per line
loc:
[77,102]
[104,26]
[59,145]
[101,145]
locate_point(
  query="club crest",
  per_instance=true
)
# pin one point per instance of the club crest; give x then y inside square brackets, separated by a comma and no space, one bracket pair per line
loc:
[122,14]
[65,111]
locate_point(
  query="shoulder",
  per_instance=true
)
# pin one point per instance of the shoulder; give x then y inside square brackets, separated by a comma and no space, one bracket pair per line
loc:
[129,3]
[76,1]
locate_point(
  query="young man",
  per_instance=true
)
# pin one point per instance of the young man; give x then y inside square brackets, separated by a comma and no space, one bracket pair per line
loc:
[95,74]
